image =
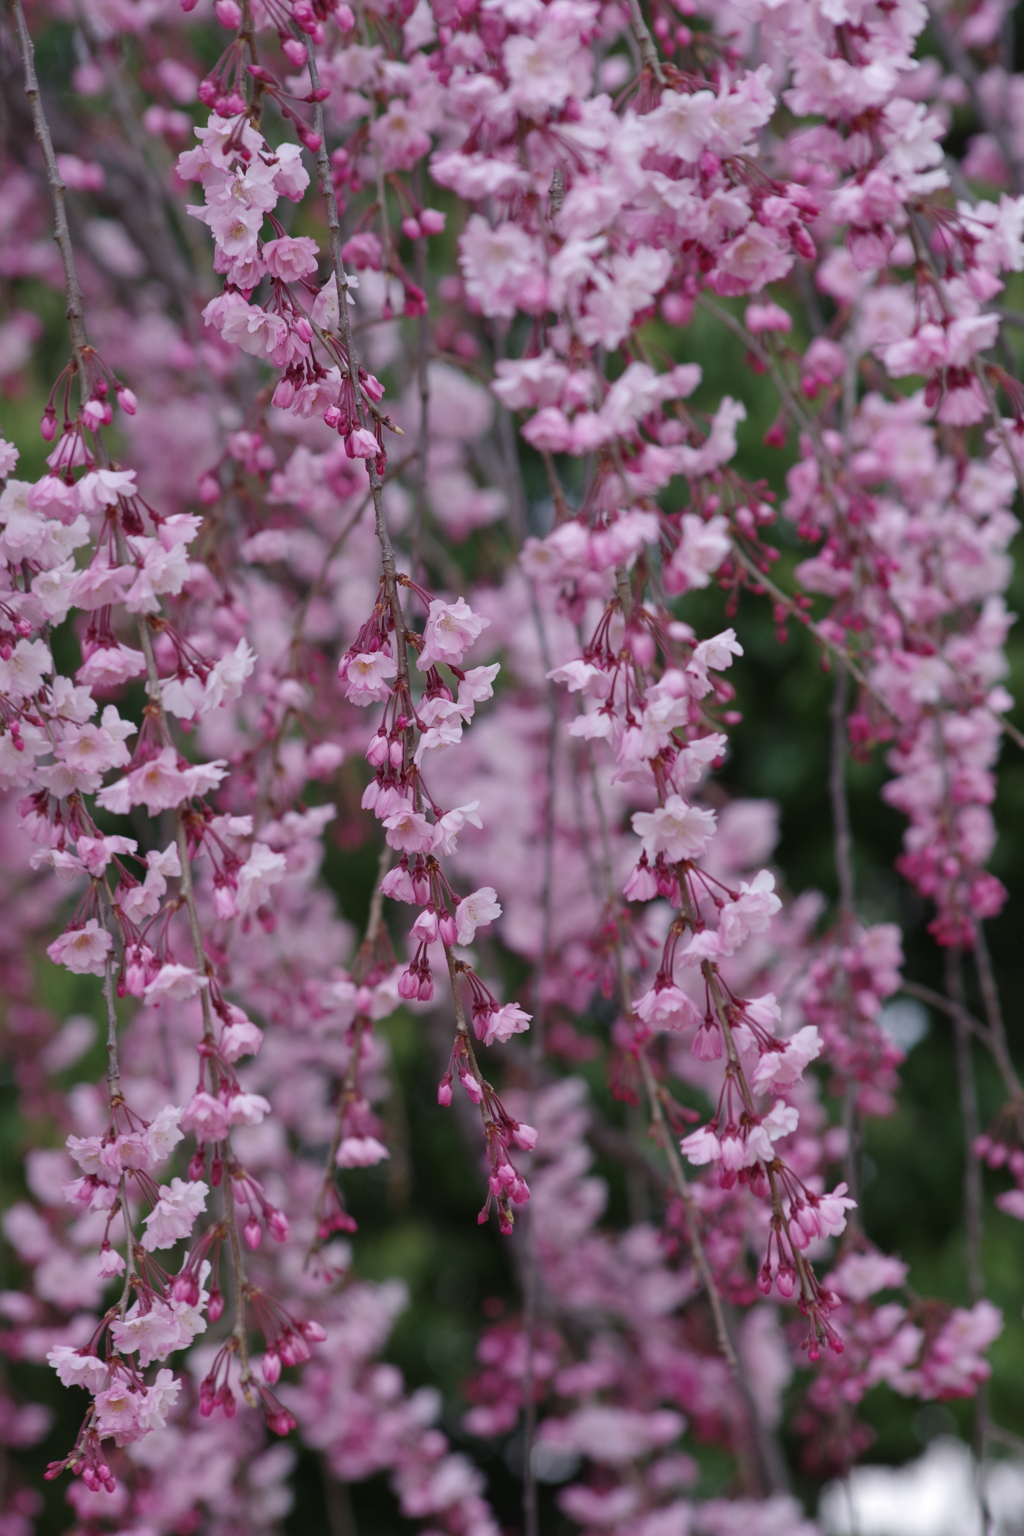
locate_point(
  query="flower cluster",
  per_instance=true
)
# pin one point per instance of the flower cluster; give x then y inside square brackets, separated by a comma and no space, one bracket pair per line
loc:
[320,446]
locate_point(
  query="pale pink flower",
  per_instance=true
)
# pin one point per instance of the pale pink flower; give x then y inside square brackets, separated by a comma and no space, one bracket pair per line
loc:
[206,1116]
[174,1214]
[409,831]
[261,870]
[666,1008]
[117,1409]
[76,1369]
[676,829]
[82,950]
[367,676]
[158,1400]
[475,911]
[290,258]
[360,1152]
[450,630]
[502,1023]
[174,982]
[446,830]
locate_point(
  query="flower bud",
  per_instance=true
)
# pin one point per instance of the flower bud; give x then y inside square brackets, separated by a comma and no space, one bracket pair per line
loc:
[271,1367]
[253,1233]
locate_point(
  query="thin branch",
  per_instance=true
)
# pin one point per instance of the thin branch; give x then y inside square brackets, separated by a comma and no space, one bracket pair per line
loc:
[62,234]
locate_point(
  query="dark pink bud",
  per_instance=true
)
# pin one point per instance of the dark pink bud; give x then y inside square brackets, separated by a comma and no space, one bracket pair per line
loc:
[271,1367]
[253,1233]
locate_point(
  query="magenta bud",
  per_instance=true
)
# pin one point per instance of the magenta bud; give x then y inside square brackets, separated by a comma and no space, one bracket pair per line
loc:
[126,400]
[444,1090]
[293,51]
[426,989]
[185,1288]
[48,427]
[228,13]
[408,986]
[447,929]
[431,221]
[215,1309]
[253,1233]
[271,1367]
[411,227]
[312,1331]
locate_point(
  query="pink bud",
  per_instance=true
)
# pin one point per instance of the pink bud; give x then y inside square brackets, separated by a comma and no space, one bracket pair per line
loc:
[447,929]
[48,426]
[284,394]
[361,444]
[126,400]
[312,1331]
[215,1308]
[426,989]
[293,51]
[411,227]
[96,414]
[209,489]
[277,1224]
[408,986]
[377,751]
[432,222]
[271,1367]
[228,13]
[343,17]
[444,1090]
[253,1233]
